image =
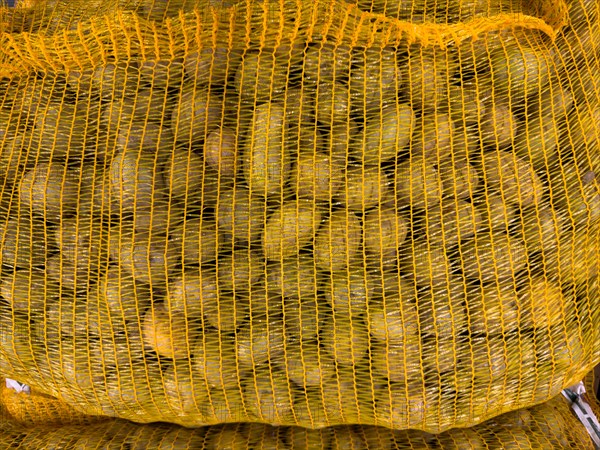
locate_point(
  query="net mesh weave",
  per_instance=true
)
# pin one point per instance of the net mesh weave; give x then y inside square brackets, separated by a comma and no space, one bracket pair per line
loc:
[299,213]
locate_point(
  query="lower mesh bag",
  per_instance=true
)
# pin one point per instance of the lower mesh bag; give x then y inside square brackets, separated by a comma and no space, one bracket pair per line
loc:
[546,426]
[212,212]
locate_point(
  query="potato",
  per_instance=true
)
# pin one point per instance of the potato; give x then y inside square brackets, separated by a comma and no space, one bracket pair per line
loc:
[468,103]
[556,102]
[268,396]
[493,309]
[240,271]
[344,141]
[332,103]
[326,63]
[184,392]
[293,278]
[25,242]
[214,361]
[162,73]
[537,142]
[451,222]
[116,350]
[441,309]
[162,215]
[191,292]
[418,183]
[136,180]
[346,339]
[221,151]
[266,156]
[61,131]
[316,176]
[496,213]
[575,193]
[365,187]
[28,290]
[349,292]
[432,137]
[17,155]
[167,333]
[459,179]
[290,228]
[397,362]
[307,365]
[489,361]
[493,258]
[184,176]
[116,116]
[261,76]
[311,412]
[426,262]
[73,275]
[542,303]
[199,240]
[226,313]
[427,75]
[240,214]
[348,437]
[384,231]
[394,320]
[150,258]
[386,134]
[230,436]
[300,438]
[518,70]
[148,138]
[195,114]
[513,176]
[124,296]
[542,229]
[498,126]
[112,80]
[338,241]
[260,341]
[212,64]
[50,189]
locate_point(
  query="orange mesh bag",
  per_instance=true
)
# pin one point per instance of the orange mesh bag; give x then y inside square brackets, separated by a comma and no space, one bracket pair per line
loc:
[549,425]
[308,213]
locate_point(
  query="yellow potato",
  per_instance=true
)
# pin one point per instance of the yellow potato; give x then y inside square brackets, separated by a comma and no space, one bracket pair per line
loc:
[26,290]
[50,189]
[365,187]
[493,309]
[386,134]
[537,142]
[344,141]
[136,180]
[513,176]
[261,76]
[556,102]
[542,229]
[72,274]
[116,350]
[240,271]
[441,311]
[150,258]
[384,231]
[316,176]
[575,193]
[459,179]
[221,151]
[332,103]
[214,361]
[139,135]
[427,75]
[184,175]
[491,259]
[542,304]
[346,339]
[268,396]
[427,262]
[266,156]
[349,292]
[240,215]
[225,313]
[496,213]
[199,239]
[498,126]
[290,228]
[25,242]
[326,62]
[418,183]
[191,292]
[168,334]
[293,278]
[124,296]
[195,114]
[338,241]
[213,64]
[260,341]
[184,392]
[230,436]
[432,137]
[394,320]
[307,365]
[451,222]
[397,362]
[61,130]
[300,438]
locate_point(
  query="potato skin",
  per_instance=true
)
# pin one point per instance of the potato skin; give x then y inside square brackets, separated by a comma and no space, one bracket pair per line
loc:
[167,333]
[266,155]
[418,183]
[338,241]
[384,231]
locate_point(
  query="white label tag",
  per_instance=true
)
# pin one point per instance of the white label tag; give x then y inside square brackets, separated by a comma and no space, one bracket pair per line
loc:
[19,387]
[583,411]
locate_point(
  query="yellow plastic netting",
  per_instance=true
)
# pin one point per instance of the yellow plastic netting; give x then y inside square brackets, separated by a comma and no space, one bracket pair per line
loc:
[300,212]
[546,426]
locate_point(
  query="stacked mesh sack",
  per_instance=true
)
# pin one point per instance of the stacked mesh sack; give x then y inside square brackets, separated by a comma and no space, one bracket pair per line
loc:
[308,213]
[546,426]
